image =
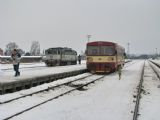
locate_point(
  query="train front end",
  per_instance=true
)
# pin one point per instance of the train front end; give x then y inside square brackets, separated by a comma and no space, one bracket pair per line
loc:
[102,57]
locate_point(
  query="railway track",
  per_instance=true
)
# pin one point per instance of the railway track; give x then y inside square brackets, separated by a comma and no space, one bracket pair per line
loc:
[153,68]
[152,65]
[155,63]
[138,97]
[74,85]
[46,89]
[150,94]
[77,84]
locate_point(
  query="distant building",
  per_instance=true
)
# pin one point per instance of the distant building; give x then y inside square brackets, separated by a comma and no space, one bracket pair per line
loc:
[1,51]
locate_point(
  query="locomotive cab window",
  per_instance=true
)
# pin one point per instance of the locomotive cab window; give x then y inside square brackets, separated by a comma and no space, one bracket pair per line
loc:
[54,51]
[51,51]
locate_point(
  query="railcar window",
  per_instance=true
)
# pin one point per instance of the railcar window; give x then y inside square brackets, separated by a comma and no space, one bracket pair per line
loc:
[107,50]
[93,50]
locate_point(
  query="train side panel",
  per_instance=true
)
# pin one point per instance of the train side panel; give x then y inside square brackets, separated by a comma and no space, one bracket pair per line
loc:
[120,55]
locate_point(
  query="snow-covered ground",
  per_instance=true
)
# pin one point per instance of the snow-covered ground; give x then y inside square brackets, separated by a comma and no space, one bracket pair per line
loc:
[156,61]
[22,65]
[35,70]
[149,105]
[1,70]
[108,99]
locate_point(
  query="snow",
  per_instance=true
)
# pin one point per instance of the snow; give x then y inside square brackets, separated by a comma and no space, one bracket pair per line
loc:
[39,70]
[1,73]
[108,99]
[22,56]
[150,107]
[7,97]
[22,65]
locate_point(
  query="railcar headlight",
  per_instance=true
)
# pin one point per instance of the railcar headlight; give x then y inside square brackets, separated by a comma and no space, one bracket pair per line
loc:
[89,59]
[110,58]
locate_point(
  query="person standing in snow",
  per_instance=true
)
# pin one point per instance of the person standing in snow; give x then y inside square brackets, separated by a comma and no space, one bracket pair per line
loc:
[79,59]
[120,71]
[16,61]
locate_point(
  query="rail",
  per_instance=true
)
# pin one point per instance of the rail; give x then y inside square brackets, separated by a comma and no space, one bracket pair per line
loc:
[136,110]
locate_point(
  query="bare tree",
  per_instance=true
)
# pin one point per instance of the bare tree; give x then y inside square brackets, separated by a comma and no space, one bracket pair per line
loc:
[21,52]
[9,47]
[35,48]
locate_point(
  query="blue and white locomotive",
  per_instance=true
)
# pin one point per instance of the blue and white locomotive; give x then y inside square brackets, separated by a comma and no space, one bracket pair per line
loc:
[60,56]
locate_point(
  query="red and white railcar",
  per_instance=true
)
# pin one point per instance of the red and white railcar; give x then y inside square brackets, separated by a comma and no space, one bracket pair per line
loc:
[104,57]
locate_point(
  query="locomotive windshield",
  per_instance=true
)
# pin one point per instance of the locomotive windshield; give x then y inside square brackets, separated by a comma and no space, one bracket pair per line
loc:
[100,50]
[51,51]
[69,52]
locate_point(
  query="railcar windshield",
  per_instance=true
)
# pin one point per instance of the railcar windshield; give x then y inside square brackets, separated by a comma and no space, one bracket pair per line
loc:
[107,50]
[92,50]
[101,50]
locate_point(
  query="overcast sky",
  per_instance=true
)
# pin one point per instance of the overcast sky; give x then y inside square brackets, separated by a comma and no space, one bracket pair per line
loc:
[56,23]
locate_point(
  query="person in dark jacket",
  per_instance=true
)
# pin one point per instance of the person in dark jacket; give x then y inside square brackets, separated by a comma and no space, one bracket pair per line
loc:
[16,61]
[79,59]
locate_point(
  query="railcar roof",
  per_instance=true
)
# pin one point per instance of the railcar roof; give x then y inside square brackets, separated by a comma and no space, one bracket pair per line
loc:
[101,43]
[95,43]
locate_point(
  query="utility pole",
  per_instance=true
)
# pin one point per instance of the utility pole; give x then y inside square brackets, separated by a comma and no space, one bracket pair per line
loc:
[128,49]
[88,37]
[156,53]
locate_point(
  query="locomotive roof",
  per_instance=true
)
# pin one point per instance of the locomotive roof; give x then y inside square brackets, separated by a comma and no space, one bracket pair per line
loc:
[61,48]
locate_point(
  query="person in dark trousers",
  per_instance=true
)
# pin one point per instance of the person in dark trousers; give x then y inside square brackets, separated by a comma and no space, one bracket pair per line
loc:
[79,59]
[16,61]
[120,71]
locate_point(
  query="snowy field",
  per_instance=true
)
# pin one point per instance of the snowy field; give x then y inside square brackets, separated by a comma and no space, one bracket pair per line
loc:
[108,99]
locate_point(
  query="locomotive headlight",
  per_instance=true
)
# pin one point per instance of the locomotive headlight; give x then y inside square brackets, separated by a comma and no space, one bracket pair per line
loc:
[89,59]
